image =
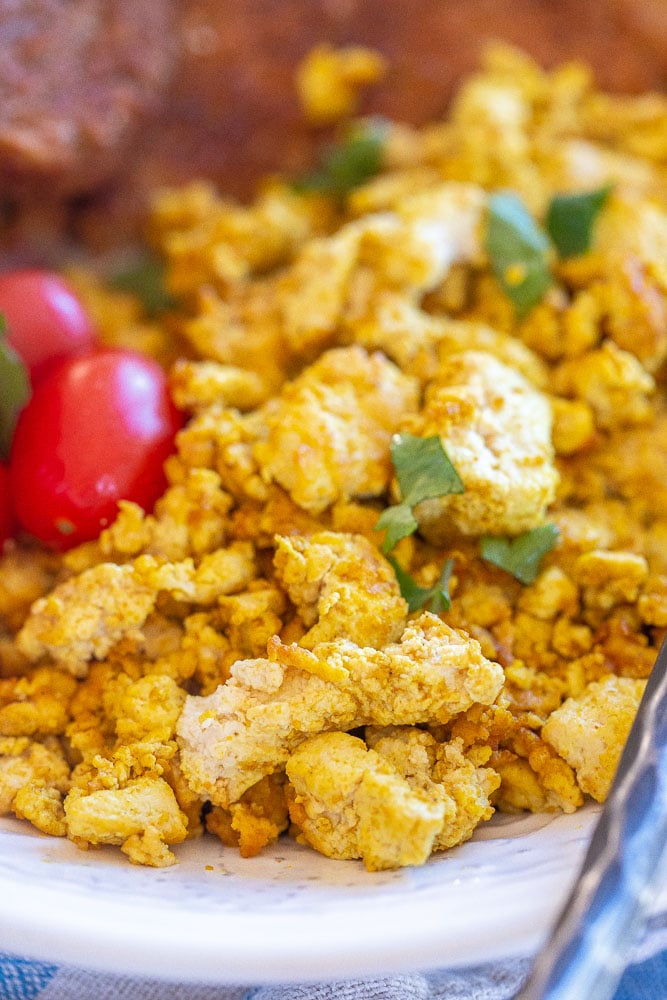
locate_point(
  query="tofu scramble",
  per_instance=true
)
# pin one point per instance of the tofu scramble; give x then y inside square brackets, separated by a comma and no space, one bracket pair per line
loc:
[258,654]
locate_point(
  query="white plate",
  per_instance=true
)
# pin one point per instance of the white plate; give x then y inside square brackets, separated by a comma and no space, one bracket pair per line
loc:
[289,914]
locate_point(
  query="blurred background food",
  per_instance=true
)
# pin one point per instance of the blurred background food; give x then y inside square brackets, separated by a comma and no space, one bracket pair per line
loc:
[103,100]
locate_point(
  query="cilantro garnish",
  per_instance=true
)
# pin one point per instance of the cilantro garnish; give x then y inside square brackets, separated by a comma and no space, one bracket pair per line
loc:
[347,165]
[398,522]
[145,279]
[520,556]
[424,472]
[435,598]
[14,389]
[570,220]
[518,251]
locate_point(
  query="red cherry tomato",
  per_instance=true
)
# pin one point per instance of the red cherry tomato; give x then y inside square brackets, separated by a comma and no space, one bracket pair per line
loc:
[96,430]
[6,512]
[45,320]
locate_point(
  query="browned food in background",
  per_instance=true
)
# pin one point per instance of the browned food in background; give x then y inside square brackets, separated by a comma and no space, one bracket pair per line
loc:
[81,80]
[77,78]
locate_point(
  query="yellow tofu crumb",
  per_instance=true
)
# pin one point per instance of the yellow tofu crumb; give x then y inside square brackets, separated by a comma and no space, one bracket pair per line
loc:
[328,80]
[590,731]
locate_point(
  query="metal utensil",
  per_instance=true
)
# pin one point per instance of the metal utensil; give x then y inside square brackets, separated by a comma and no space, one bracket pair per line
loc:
[587,951]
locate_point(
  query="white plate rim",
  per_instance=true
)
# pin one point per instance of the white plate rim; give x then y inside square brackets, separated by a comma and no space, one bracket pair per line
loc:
[461,909]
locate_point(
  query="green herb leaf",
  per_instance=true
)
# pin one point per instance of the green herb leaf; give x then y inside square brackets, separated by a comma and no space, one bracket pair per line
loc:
[349,164]
[570,220]
[146,280]
[424,471]
[399,522]
[14,389]
[518,251]
[435,599]
[520,556]
[423,468]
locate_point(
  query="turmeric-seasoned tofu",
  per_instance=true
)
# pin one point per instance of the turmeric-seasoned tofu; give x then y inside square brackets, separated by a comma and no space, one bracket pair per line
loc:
[496,429]
[307,578]
[342,588]
[250,725]
[30,765]
[590,731]
[143,818]
[443,771]
[349,803]
[328,438]
[85,616]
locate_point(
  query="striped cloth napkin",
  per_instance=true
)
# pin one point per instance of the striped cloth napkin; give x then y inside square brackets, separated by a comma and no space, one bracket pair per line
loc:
[24,979]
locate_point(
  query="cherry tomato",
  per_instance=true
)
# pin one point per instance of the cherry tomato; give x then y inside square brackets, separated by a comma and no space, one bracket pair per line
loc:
[96,430]
[45,320]
[6,512]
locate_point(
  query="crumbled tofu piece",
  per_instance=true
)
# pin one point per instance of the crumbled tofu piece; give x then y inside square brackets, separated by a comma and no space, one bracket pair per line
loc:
[631,241]
[243,330]
[410,249]
[347,802]
[590,731]
[84,617]
[36,705]
[211,241]
[458,336]
[149,708]
[386,320]
[553,593]
[26,763]
[532,773]
[189,519]
[652,603]
[533,776]
[41,805]
[221,572]
[520,788]
[496,429]
[313,293]
[223,440]
[414,247]
[444,772]
[610,578]
[257,819]
[574,425]
[142,818]
[249,726]
[342,588]
[198,384]
[25,576]
[611,381]
[329,437]
[328,80]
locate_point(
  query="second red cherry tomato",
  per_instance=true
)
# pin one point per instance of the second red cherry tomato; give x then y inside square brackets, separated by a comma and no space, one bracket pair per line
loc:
[96,430]
[45,319]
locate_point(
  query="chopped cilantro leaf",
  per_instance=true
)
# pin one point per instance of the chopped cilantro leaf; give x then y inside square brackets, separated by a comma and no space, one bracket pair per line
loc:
[435,599]
[520,556]
[424,472]
[349,164]
[570,220]
[518,251]
[423,468]
[14,389]
[398,522]
[145,279]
